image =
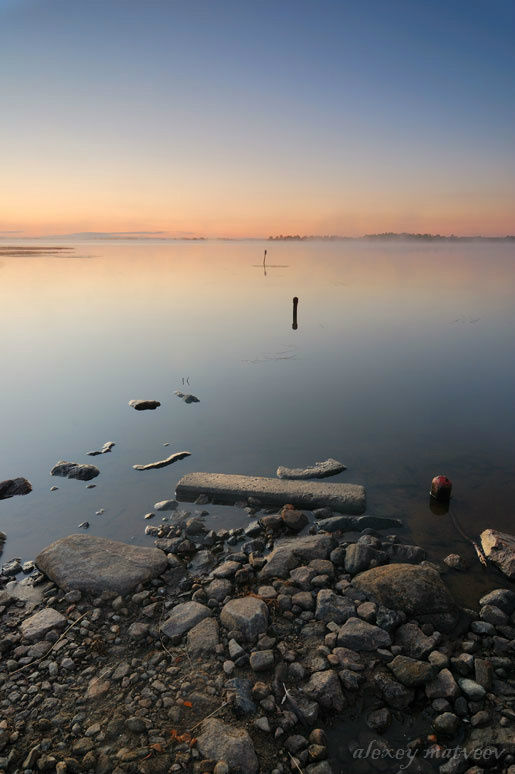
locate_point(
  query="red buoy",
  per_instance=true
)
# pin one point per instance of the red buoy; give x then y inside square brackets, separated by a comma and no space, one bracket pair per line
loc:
[441,488]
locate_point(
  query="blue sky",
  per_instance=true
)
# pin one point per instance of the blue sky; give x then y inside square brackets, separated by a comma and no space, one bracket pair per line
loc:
[248,117]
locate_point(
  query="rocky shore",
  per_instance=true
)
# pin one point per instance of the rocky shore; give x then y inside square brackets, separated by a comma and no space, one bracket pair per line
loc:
[238,651]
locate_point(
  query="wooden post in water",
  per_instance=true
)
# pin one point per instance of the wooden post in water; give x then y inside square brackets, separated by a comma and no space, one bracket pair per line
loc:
[295,305]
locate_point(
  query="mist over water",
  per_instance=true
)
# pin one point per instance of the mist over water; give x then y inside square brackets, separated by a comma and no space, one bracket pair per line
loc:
[401,366]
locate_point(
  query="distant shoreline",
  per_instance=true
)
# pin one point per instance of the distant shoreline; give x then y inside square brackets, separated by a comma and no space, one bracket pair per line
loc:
[141,237]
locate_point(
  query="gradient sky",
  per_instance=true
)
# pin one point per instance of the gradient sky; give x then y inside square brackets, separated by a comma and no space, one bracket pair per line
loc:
[249,118]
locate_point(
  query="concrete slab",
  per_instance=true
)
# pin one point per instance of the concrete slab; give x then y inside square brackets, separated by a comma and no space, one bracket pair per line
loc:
[345,498]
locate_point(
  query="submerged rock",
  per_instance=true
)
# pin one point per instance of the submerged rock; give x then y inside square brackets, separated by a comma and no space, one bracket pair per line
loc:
[99,564]
[144,405]
[187,397]
[104,450]
[499,548]
[81,472]
[14,486]
[323,469]
[163,463]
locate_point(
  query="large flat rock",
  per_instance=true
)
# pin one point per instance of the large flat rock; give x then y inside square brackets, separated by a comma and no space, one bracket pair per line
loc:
[97,564]
[345,498]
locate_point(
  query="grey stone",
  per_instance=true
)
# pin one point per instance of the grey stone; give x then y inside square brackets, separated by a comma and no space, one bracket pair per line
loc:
[144,405]
[39,624]
[499,548]
[379,720]
[501,598]
[411,672]
[358,557]
[414,590]
[323,469]
[226,570]
[404,553]
[219,741]
[98,564]
[446,723]
[444,686]
[394,693]
[203,638]
[324,688]
[14,486]
[337,523]
[240,692]
[247,615]
[332,607]
[219,589]
[286,556]
[359,635]
[455,562]
[493,615]
[304,708]
[414,642]
[346,498]
[81,472]
[261,660]
[473,690]
[184,617]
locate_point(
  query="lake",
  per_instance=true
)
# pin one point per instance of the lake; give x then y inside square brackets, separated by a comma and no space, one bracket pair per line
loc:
[402,366]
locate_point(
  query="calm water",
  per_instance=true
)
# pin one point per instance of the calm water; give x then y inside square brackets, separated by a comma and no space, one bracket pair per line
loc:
[402,366]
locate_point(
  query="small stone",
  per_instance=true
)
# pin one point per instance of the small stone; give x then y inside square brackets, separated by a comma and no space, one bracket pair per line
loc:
[473,690]
[446,723]
[261,660]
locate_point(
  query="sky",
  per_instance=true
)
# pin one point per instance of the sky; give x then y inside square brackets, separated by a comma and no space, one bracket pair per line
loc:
[256,117]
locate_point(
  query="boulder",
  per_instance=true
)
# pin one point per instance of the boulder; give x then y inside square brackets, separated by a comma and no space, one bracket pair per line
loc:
[81,472]
[248,615]
[499,548]
[184,617]
[416,591]
[97,564]
[38,625]
[219,741]
[14,486]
